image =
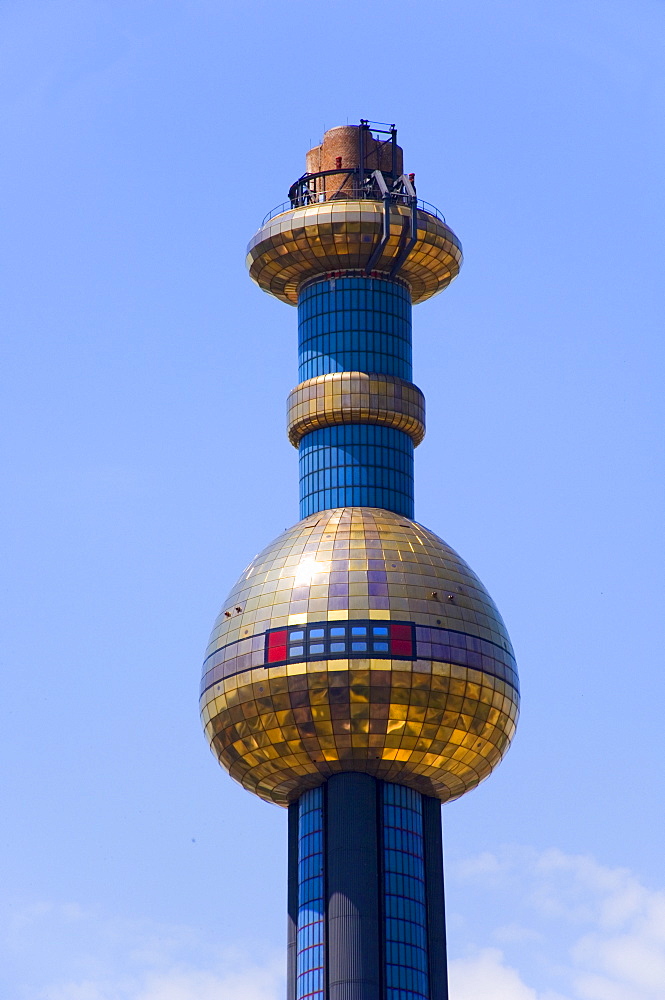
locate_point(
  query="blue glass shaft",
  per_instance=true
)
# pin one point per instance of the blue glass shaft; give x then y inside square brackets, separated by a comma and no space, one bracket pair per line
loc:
[356,465]
[355,324]
[406,973]
[311,898]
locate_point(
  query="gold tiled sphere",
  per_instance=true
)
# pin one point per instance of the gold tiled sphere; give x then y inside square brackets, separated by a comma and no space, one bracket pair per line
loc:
[438,721]
[302,243]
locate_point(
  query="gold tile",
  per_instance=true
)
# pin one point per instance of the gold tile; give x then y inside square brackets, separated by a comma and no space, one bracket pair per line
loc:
[444,726]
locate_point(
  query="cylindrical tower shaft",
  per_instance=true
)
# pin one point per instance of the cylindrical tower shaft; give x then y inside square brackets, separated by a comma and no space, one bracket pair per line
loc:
[359,455]
[354,323]
[359,672]
[368,866]
[370,920]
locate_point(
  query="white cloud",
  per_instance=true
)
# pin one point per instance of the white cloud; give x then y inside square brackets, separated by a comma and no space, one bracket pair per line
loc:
[485,865]
[573,930]
[485,975]
[84,955]
[517,934]
[596,932]
[252,983]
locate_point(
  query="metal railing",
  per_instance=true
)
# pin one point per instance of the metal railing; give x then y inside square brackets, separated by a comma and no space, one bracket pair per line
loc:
[287,206]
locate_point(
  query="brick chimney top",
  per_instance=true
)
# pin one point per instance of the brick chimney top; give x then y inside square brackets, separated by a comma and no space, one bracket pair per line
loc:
[343,142]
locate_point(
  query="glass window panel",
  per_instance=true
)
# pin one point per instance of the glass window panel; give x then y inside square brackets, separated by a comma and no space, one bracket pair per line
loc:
[310,931]
[405,920]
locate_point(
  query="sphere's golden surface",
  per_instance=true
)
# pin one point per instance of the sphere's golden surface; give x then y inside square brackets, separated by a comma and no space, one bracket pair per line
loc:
[438,721]
[341,235]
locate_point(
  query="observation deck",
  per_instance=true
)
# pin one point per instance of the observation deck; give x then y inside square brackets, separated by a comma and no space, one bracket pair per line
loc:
[360,215]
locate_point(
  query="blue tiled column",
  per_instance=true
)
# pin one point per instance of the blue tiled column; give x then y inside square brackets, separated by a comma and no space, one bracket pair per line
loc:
[355,324]
[405,896]
[356,465]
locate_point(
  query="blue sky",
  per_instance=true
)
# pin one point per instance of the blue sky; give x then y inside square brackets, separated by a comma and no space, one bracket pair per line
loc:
[142,425]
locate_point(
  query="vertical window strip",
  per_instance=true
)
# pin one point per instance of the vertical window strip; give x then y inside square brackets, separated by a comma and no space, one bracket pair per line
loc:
[310,969]
[406,972]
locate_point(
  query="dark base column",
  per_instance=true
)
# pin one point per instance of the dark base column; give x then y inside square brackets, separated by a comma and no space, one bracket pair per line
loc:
[436,914]
[292,904]
[354,922]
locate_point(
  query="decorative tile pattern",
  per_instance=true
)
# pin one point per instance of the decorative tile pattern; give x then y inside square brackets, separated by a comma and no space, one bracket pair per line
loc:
[439,644]
[345,640]
[355,398]
[341,235]
[438,723]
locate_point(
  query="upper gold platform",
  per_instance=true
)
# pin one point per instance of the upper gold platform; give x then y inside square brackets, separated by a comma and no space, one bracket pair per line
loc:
[303,243]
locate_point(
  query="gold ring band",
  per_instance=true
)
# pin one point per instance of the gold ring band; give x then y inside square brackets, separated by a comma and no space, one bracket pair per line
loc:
[355,398]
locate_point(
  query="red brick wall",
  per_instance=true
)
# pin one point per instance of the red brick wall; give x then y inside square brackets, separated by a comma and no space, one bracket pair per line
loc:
[343,142]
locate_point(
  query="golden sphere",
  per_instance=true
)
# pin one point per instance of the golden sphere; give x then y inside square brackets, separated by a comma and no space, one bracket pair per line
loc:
[359,641]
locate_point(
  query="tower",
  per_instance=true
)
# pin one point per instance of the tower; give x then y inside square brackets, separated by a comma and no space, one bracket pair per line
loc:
[359,673]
